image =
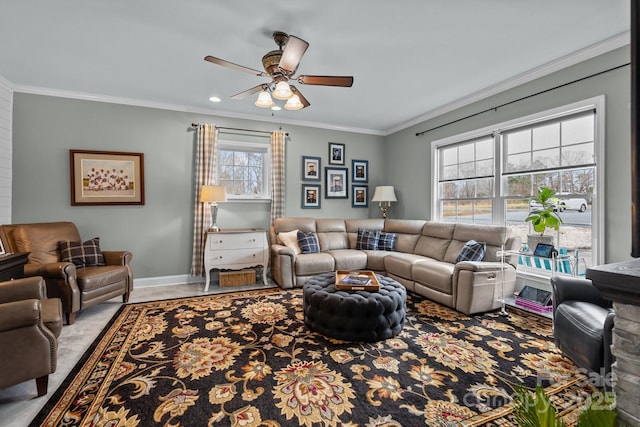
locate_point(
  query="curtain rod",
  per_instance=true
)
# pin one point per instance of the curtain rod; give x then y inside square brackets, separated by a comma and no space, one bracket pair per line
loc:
[523,98]
[195,125]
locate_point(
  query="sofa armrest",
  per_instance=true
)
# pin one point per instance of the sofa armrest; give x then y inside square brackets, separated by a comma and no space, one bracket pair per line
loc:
[54,270]
[117,257]
[23,289]
[19,314]
[479,266]
[283,261]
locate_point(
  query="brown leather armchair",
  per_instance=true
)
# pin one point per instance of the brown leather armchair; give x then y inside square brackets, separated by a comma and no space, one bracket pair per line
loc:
[77,288]
[30,324]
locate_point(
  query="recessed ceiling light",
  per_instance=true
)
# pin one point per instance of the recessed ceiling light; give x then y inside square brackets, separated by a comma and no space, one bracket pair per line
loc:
[276,108]
[215,99]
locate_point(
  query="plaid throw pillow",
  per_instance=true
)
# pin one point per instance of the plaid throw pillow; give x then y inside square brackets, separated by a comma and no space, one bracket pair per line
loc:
[308,242]
[387,241]
[85,254]
[367,239]
[472,251]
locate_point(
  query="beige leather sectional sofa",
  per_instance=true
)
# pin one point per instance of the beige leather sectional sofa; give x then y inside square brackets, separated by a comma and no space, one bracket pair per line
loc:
[424,259]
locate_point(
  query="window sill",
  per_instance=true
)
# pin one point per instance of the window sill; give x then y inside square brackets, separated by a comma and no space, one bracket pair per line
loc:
[247,200]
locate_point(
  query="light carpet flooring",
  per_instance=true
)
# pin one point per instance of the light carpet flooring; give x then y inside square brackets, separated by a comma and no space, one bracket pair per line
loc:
[19,404]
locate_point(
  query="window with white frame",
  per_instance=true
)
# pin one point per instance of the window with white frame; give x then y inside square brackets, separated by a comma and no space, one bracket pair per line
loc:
[244,168]
[488,176]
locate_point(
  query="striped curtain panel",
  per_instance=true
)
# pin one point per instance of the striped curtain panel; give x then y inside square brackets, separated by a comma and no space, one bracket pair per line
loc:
[277,187]
[206,158]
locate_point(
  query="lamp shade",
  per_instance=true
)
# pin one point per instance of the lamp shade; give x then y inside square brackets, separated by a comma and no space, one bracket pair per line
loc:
[213,193]
[294,103]
[264,100]
[282,91]
[384,193]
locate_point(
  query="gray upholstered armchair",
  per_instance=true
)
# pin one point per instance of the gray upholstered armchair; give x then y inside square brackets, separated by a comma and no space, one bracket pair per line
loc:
[30,324]
[582,323]
[78,287]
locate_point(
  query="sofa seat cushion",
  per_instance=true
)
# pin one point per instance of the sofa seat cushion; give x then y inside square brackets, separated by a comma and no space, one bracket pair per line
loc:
[308,264]
[400,263]
[437,275]
[90,278]
[375,260]
[349,259]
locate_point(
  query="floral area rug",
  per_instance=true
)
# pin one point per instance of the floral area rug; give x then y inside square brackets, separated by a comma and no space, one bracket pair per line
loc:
[247,359]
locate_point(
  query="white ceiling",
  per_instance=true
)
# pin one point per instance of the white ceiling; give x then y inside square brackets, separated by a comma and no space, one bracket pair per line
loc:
[409,58]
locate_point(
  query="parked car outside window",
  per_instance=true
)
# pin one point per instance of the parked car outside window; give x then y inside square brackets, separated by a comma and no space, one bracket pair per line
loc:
[561,204]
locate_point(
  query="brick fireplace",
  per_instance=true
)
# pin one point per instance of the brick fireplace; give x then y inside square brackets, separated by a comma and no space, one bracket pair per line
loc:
[620,282]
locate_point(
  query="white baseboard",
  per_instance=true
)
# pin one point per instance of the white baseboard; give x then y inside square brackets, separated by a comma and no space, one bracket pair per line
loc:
[166,280]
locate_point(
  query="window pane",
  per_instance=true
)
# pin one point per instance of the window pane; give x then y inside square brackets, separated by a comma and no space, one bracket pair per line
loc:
[519,185]
[466,153]
[578,130]
[484,149]
[546,159]
[450,172]
[518,142]
[449,156]
[484,167]
[518,162]
[546,136]
[467,170]
[448,190]
[575,155]
[484,187]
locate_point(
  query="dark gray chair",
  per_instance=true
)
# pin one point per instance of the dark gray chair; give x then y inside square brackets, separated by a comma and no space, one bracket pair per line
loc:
[582,323]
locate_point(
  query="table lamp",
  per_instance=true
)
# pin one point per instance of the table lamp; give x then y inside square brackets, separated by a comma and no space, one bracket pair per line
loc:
[213,194]
[384,195]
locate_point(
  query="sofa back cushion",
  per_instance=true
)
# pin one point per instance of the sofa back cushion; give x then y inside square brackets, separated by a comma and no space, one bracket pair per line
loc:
[42,240]
[435,240]
[286,224]
[365,224]
[332,234]
[407,232]
[493,235]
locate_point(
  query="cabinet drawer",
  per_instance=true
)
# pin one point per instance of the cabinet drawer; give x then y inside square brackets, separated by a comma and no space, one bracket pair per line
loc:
[235,241]
[236,256]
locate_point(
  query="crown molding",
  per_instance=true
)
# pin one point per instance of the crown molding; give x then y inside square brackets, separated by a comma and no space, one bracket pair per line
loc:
[35,90]
[574,58]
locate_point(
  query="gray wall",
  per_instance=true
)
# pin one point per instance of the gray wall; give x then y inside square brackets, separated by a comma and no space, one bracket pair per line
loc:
[414,153]
[159,232]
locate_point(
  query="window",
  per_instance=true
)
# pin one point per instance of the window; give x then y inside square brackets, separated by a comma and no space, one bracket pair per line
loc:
[488,176]
[245,169]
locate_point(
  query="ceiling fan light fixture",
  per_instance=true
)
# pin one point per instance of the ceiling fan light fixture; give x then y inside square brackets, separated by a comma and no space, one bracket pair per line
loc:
[264,100]
[294,103]
[282,91]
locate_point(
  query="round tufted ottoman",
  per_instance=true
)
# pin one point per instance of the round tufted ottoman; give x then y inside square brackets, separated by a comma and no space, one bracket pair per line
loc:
[354,315]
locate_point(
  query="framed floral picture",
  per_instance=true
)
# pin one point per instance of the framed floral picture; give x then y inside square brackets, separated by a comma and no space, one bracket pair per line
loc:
[106,178]
[310,196]
[359,171]
[360,196]
[336,153]
[311,168]
[336,183]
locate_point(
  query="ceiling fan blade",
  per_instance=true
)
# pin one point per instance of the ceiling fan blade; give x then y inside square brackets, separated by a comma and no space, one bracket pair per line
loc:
[251,91]
[343,81]
[292,54]
[237,67]
[302,98]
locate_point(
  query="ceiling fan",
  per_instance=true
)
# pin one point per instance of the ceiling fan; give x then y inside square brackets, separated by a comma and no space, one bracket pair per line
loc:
[280,66]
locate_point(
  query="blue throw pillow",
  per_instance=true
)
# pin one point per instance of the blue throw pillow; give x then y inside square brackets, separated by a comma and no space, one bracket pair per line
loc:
[367,239]
[308,242]
[387,241]
[472,251]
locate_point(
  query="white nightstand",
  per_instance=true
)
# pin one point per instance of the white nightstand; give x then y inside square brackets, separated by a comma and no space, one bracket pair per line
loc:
[235,249]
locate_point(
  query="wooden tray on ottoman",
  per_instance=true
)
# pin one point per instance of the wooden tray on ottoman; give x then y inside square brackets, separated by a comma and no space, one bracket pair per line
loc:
[372,286]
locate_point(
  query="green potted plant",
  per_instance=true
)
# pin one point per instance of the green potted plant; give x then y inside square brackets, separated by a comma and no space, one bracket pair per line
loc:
[536,410]
[543,216]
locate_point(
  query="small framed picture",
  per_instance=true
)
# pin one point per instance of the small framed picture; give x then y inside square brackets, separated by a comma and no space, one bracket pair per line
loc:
[311,168]
[336,153]
[336,183]
[360,196]
[310,196]
[359,171]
